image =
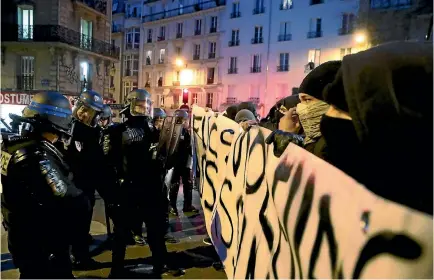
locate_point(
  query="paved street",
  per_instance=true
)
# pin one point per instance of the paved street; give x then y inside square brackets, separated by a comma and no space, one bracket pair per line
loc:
[190,253]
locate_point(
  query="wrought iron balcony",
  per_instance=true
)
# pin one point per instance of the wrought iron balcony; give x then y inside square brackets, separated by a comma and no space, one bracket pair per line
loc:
[97,5]
[345,30]
[160,82]
[25,82]
[131,72]
[147,84]
[161,61]
[117,28]
[161,38]
[210,81]
[231,100]
[285,6]
[133,15]
[235,15]
[315,2]
[197,31]
[256,69]
[258,40]
[148,61]
[284,37]
[206,5]
[232,70]
[211,55]
[234,43]
[258,10]
[149,40]
[283,68]
[213,30]
[196,56]
[179,35]
[58,33]
[314,34]
[255,100]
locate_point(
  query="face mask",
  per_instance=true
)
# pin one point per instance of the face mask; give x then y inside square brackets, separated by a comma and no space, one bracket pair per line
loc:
[344,150]
[310,117]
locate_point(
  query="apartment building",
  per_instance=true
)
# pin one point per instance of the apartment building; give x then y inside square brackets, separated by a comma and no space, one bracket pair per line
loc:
[271,45]
[55,45]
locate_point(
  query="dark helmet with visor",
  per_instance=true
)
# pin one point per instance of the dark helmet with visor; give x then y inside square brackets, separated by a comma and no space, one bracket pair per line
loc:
[88,108]
[180,116]
[159,113]
[106,115]
[49,109]
[140,103]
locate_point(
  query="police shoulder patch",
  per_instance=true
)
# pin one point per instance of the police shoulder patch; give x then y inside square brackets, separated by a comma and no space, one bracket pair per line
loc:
[79,146]
[5,158]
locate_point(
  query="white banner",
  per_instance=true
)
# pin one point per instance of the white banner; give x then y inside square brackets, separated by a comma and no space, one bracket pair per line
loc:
[297,216]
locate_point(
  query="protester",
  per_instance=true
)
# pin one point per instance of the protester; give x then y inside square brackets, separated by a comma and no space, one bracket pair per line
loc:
[378,96]
[249,106]
[271,121]
[231,112]
[244,115]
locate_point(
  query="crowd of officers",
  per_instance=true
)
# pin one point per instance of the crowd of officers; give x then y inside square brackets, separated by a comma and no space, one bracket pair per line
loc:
[51,170]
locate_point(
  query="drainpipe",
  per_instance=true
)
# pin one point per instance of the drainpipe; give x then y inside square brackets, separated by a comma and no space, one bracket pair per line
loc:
[268,53]
[58,73]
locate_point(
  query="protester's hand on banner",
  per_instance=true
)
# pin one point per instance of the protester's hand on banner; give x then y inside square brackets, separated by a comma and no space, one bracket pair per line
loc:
[281,140]
[290,121]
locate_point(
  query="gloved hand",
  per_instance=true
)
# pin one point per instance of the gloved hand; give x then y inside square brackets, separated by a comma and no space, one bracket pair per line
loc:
[281,140]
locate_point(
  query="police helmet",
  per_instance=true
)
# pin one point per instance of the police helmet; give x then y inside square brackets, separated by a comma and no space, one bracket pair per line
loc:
[88,108]
[139,102]
[159,113]
[106,115]
[180,116]
[50,109]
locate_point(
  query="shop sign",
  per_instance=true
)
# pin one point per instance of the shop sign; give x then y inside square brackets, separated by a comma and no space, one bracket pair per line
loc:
[15,98]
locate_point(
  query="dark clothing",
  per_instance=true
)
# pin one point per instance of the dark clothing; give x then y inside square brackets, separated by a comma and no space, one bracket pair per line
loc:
[44,200]
[318,148]
[181,174]
[140,193]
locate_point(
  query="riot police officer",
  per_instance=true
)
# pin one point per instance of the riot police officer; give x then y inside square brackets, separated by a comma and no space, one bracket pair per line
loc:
[139,183]
[181,161]
[38,195]
[85,156]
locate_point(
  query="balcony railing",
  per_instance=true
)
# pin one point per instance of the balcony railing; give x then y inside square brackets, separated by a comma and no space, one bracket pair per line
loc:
[213,30]
[117,28]
[211,55]
[314,34]
[285,6]
[148,61]
[176,83]
[258,10]
[284,37]
[149,40]
[178,35]
[259,40]
[196,56]
[133,15]
[256,69]
[147,84]
[232,70]
[283,68]
[98,5]
[255,100]
[315,2]
[161,38]
[235,15]
[25,82]
[234,43]
[206,5]
[210,81]
[231,100]
[345,30]
[160,82]
[57,33]
[197,32]
[161,61]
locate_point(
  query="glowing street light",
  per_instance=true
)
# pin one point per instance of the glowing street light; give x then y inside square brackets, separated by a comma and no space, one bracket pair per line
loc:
[360,38]
[179,62]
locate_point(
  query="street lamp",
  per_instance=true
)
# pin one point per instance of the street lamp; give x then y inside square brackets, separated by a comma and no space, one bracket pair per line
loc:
[179,62]
[360,38]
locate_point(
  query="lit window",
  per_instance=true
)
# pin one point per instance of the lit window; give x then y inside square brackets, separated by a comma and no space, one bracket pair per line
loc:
[25,22]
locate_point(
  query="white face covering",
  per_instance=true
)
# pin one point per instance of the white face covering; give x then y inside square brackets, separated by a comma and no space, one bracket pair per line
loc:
[310,118]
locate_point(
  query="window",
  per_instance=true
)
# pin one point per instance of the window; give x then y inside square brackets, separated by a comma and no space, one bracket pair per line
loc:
[283,62]
[233,65]
[258,35]
[209,99]
[194,98]
[344,52]
[210,75]
[181,7]
[162,56]
[86,34]
[196,53]
[25,79]
[385,4]
[235,10]
[25,22]
[315,28]
[235,35]
[198,27]
[315,2]
[147,79]
[285,31]
[162,33]
[179,27]
[178,51]
[115,6]
[212,49]
[148,57]
[128,87]
[161,100]
[259,4]
[256,63]
[286,4]
[347,24]
[314,56]
[213,27]
[131,65]
[149,35]
[133,38]
[160,79]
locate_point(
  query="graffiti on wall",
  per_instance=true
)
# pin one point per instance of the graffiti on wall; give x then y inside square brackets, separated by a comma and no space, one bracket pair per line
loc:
[297,216]
[71,74]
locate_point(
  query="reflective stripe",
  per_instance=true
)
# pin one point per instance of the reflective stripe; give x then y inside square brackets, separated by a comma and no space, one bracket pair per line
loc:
[50,109]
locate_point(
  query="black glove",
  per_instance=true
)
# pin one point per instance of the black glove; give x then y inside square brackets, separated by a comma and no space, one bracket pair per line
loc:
[281,140]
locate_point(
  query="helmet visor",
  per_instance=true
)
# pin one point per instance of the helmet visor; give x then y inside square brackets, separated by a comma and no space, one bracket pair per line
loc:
[142,108]
[86,115]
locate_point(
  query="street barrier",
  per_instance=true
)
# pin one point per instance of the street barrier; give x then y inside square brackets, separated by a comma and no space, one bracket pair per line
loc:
[297,216]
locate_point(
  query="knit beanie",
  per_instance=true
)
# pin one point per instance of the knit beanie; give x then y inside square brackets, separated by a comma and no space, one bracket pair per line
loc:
[315,82]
